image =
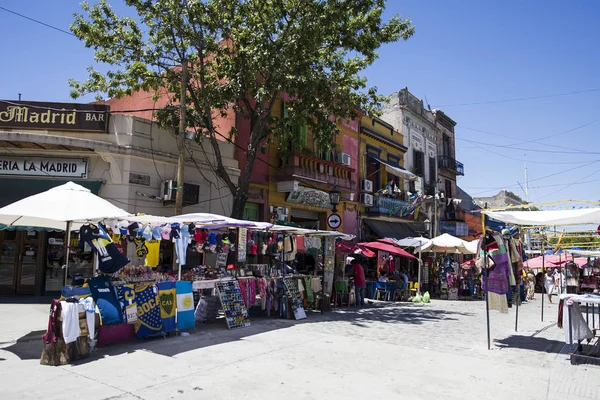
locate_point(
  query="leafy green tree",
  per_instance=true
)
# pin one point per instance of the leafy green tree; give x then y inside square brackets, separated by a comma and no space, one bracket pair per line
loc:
[242,54]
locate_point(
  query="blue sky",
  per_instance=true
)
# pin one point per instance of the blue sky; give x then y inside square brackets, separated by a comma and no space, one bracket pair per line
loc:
[466,51]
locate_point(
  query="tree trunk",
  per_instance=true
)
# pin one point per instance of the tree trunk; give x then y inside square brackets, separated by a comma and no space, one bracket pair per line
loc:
[241,195]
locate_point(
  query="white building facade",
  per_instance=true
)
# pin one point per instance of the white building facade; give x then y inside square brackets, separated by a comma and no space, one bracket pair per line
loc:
[124,159]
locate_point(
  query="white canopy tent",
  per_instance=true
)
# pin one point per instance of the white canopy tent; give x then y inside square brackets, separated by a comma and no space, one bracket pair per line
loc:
[584,253]
[411,242]
[65,207]
[547,218]
[446,243]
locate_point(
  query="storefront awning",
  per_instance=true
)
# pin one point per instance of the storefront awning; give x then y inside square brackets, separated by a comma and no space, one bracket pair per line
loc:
[388,229]
[397,171]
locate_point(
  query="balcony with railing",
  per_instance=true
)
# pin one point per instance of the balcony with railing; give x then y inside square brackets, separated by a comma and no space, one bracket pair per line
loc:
[316,169]
[389,207]
[451,164]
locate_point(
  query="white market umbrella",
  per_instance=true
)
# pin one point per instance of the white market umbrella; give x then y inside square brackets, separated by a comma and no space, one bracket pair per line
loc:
[63,207]
[446,243]
[413,242]
[417,243]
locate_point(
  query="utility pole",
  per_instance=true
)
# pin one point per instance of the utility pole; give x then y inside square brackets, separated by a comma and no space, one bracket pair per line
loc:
[526,185]
[181,140]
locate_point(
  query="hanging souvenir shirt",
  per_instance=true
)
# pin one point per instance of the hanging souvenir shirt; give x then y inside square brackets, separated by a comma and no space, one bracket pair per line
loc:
[182,241]
[153,247]
[106,299]
[110,258]
[148,307]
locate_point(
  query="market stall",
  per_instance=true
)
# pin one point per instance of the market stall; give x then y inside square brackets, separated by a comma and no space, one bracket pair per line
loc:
[447,276]
[390,279]
[565,217]
[154,275]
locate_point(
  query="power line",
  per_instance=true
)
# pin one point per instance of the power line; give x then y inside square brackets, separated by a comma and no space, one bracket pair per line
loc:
[543,177]
[519,98]
[38,21]
[529,150]
[569,185]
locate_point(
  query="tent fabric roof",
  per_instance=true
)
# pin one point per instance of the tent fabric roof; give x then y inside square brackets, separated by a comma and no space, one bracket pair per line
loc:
[546,218]
[584,253]
[407,242]
[387,229]
[447,243]
[386,247]
[55,207]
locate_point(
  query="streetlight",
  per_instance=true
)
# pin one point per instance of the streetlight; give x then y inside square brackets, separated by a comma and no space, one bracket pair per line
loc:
[334,198]
[427,223]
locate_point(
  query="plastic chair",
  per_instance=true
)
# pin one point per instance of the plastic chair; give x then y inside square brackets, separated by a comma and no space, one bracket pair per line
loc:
[341,291]
[381,292]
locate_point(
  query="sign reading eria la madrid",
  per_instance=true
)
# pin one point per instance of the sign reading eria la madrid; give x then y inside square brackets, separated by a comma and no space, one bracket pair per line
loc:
[44,166]
[56,116]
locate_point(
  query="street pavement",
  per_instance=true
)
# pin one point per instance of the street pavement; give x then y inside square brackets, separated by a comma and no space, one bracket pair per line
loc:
[385,350]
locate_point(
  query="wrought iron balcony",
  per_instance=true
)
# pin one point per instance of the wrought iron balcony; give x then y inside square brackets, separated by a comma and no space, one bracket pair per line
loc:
[451,164]
[390,207]
[317,169]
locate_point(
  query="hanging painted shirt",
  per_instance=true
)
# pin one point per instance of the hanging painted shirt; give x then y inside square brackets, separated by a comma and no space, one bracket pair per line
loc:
[152,257]
[110,259]
[148,308]
[182,241]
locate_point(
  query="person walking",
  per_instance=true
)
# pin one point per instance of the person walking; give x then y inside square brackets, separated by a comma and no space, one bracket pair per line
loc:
[549,284]
[360,283]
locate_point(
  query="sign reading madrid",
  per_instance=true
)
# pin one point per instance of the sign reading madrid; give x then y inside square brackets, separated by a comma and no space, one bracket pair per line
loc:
[44,166]
[57,116]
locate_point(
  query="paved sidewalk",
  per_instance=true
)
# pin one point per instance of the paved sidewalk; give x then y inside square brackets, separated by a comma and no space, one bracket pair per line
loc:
[417,351]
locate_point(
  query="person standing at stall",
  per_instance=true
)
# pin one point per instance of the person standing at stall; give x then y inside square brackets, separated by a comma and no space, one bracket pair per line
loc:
[549,284]
[360,283]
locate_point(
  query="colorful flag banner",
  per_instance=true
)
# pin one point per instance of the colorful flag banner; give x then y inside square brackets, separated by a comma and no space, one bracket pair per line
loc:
[148,307]
[185,305]
[167,298]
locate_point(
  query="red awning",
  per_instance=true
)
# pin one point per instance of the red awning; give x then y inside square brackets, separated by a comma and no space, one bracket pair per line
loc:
[386,247]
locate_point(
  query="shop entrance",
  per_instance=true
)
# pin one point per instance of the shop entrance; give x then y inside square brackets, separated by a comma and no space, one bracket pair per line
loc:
[19,259]
[306,219]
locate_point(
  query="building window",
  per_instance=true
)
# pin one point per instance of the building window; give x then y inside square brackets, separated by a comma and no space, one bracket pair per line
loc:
[448,186]
[432,171]
[252,212]
[419,162]
[446,146]
[373,173]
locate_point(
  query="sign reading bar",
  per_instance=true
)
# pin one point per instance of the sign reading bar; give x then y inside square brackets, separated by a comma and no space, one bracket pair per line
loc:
[57,116]
[44,166]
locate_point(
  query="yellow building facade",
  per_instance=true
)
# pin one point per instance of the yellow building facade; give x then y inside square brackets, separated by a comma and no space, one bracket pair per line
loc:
[387,206]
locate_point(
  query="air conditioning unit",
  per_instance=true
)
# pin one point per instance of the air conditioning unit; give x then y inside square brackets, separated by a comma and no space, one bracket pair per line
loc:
[343,159]
[191,192]
[366,186]
[169,190]
[366,199]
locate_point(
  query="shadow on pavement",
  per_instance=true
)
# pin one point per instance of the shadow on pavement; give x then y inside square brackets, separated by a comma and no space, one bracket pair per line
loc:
[533,343]
[28,347]
[215,333]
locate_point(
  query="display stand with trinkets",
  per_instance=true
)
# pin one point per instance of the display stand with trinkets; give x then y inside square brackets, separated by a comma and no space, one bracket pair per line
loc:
[294,297]
[236,314]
